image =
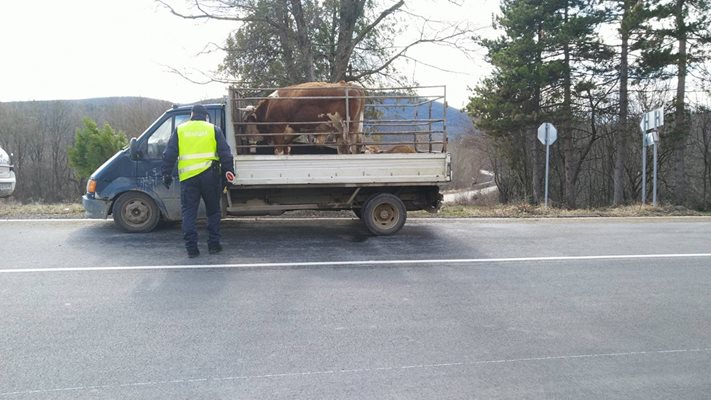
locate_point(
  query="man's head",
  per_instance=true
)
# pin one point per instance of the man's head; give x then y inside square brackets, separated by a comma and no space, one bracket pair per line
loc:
[198,112]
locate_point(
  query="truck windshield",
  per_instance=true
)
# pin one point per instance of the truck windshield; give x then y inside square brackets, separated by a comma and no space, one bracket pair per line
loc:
[159,138]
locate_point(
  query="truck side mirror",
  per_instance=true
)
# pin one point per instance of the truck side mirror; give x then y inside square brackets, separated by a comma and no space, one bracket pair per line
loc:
[134,150]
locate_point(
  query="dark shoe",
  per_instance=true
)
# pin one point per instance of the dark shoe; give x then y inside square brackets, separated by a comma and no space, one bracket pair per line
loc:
[214,249]
[192,253]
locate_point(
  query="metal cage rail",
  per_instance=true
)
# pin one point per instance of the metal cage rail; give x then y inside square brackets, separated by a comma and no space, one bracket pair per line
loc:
[395,119]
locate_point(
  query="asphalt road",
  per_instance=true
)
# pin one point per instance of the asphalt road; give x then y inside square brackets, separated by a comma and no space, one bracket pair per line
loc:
[318,309]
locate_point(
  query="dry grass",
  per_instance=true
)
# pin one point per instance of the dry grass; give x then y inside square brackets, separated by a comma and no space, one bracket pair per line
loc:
[523,210]
[11,209]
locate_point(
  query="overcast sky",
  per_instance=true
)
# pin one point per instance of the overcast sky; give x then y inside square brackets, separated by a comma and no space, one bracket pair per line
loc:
[75,49]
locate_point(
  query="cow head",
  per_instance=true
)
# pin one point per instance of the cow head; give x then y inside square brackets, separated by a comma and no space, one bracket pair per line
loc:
[249,118]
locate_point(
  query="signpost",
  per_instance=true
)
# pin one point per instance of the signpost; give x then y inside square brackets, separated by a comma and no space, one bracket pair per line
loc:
[547,134]
[651,121]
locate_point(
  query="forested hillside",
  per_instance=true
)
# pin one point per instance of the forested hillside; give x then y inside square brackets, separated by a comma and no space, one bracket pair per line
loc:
[39,133]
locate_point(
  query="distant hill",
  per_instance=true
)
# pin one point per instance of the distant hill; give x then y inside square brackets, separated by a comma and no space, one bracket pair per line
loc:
[396,119]
[457,122]
[39,133]
[129,114]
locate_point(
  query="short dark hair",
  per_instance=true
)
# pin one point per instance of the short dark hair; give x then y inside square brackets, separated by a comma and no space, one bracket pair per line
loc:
[199,112]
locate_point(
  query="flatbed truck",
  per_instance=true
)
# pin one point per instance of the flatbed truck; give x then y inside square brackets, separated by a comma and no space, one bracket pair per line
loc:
[380,188]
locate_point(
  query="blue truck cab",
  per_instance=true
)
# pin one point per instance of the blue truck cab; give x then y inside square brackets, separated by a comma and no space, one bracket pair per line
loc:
[129,185]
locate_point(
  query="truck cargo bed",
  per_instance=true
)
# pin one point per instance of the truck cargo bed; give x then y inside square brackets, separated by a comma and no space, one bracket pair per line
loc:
[343,169]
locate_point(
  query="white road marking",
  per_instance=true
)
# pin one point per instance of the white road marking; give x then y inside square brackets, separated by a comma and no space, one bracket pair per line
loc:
[351,263]
[361,370]
[50,220]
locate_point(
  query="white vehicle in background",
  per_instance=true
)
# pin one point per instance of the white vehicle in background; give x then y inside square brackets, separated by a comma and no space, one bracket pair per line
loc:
[7,175]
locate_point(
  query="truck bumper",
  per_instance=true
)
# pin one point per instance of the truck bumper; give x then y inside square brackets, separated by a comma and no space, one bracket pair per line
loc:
[95,208]
[7,185]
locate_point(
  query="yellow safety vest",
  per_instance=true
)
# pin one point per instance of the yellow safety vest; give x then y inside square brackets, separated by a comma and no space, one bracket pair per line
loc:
[197,148]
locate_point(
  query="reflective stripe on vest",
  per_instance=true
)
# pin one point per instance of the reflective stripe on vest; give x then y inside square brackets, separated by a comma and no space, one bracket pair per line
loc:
[201,166]
[196,156]
[197,148]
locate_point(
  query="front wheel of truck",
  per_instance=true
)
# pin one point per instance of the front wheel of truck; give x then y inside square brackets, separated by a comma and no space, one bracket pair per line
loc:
[136,212]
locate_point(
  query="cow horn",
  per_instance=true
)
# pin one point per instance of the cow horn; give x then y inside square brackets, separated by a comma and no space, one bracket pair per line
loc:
[248,108]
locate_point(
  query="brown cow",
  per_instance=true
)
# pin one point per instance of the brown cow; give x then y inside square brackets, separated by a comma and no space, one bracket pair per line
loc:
[312,108]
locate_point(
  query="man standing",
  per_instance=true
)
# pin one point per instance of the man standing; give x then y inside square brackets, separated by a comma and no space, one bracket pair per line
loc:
[198,145]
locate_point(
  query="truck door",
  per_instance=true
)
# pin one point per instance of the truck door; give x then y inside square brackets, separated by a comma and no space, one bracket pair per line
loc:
[148,169]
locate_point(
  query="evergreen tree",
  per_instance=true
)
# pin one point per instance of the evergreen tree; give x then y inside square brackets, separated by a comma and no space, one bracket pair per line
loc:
[676,41]
[628,15]
[545,67]
[93,146]
[581,57]
[507,106]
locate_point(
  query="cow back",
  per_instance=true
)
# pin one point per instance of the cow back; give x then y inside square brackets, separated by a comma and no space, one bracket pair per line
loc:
[313,101]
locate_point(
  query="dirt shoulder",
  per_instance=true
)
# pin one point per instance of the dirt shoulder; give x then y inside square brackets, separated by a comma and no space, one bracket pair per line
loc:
[12,210]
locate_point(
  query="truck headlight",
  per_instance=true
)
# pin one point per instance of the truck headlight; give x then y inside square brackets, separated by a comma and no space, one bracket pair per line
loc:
[91,186]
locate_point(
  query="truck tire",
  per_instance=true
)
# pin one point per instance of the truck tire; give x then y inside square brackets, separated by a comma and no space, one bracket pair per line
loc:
[384,214]
[136,212]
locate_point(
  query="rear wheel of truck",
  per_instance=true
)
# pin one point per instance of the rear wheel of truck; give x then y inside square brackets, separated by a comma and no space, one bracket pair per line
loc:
[384,214]
[136,212]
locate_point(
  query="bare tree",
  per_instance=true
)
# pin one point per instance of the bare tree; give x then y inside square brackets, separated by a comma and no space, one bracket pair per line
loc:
[281,42]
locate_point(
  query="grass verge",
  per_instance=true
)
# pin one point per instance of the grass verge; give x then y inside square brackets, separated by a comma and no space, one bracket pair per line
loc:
[10,210]
[523,210]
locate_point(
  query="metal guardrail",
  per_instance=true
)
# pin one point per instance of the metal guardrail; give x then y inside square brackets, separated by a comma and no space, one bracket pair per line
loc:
[415,116]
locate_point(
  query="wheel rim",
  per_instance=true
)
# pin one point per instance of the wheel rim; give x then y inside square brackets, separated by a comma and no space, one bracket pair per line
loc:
[385,215]
[136,212]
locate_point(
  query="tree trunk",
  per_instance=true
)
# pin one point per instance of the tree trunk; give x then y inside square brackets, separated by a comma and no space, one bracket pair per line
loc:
[286,40]
[537,170]
[621,136]
[567,133]
[349,13]
[681,124]
[302,38]
[705,141]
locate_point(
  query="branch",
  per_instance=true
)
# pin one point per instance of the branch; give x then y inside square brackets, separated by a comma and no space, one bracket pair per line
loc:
[436,67]
[373,24]
[403,51]
[187,78]
[210,47]
[204,15]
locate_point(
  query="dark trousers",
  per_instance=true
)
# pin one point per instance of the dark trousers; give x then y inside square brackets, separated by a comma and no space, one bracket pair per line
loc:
[207,186]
